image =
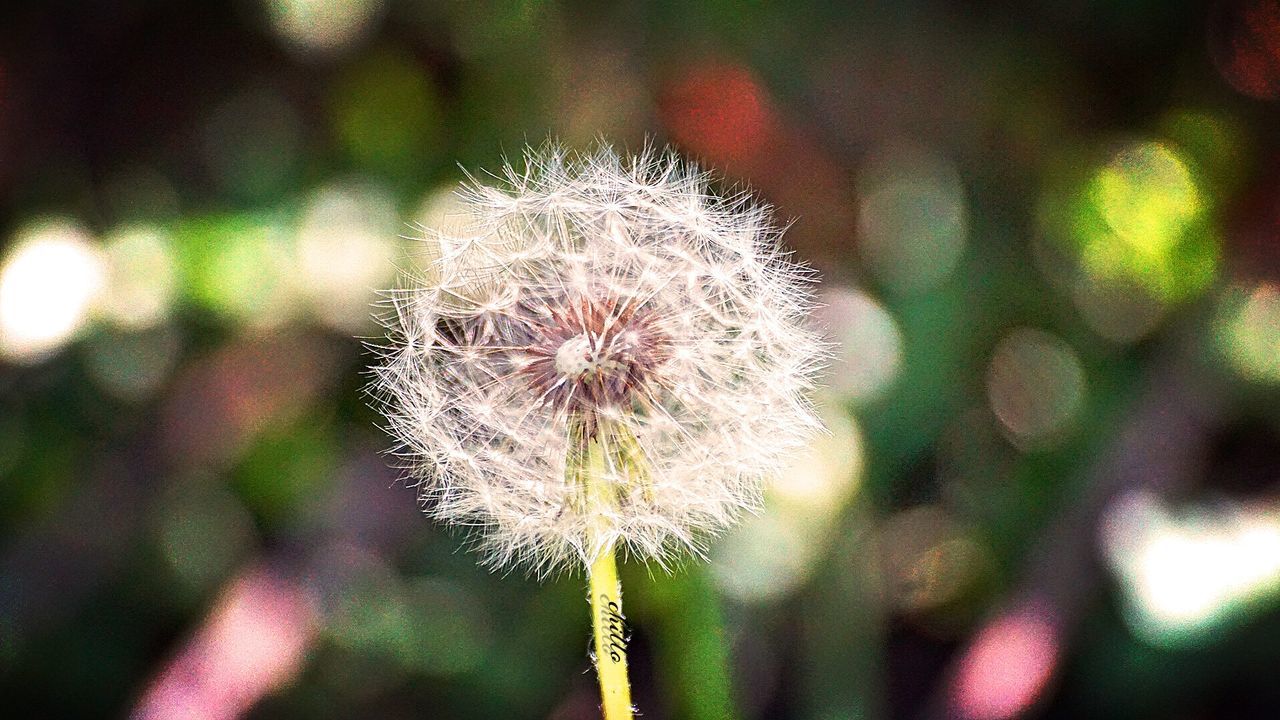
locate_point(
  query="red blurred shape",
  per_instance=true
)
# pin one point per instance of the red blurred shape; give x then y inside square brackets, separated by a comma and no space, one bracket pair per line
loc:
[719,110]
[1007,666]
[253,642]
[1244,40]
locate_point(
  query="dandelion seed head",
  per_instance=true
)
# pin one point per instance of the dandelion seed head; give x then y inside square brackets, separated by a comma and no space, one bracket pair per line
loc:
[595,299]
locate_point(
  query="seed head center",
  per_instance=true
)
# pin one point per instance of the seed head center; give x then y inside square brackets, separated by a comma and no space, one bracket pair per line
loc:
[593,353]
[582,355]
[574,358]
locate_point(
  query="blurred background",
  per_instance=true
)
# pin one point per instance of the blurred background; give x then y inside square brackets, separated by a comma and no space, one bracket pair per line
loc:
[1050,238]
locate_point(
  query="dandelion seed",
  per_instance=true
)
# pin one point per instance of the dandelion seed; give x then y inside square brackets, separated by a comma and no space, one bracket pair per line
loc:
[599,355]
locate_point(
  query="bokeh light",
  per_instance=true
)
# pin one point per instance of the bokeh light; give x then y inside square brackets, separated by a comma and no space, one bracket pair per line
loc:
[442,211]
[386,115]
[770,555]
[1008,665]
[721,110]
[322,27]
[241,267]
[1036,387]
[50,279]
[1248,331]
[1142,219]
[1188,573]
[1140,233]
[142,277]
[346,248]
[929,559]
[132,365]
[867,356]
[1147,196]
[1117,309]
[912,216]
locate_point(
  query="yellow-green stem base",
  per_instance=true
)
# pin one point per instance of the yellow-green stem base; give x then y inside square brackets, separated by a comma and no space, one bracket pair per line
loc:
[609,628]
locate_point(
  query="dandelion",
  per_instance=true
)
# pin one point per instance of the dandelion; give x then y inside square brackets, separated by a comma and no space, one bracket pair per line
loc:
[598,356]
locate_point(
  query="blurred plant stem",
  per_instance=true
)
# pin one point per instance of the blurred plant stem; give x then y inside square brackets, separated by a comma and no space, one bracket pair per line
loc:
[683,614]
[842,626]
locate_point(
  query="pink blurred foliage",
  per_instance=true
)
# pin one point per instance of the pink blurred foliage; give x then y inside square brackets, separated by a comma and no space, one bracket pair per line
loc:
[253,641]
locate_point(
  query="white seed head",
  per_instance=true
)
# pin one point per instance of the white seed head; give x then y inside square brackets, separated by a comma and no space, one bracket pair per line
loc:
[605,301]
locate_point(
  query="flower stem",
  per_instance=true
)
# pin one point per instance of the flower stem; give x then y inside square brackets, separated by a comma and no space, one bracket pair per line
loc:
[608,624]
[609,627]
